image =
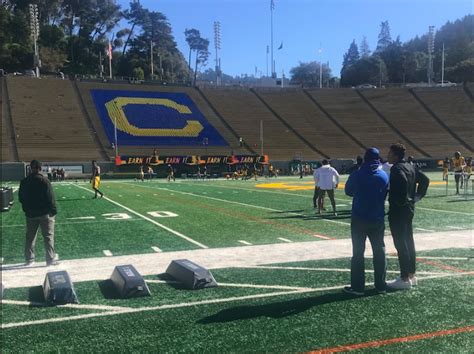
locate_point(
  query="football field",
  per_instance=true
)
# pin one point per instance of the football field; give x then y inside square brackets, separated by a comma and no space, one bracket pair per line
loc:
[280,269]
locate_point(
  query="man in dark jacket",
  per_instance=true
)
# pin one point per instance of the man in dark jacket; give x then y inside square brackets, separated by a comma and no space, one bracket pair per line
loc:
[407,186]
[368,185]
[37,200]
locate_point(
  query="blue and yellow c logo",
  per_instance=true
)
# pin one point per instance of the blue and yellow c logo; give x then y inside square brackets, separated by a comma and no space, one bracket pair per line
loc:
[115,109]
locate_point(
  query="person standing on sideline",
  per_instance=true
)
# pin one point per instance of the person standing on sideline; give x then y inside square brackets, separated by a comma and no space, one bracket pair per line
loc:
[357,165]
[95,179]
[37,200]
[458,168]
[368,186]
[407,186]
[327,179]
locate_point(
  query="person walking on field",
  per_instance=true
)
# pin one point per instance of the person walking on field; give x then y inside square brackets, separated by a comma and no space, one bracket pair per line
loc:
[95,179]
[37,200]
[407,186]
[327,179]
[368,186]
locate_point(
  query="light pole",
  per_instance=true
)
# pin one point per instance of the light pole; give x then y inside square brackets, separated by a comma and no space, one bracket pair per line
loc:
[35,30]
[217,44]
[205,142]
[430,52]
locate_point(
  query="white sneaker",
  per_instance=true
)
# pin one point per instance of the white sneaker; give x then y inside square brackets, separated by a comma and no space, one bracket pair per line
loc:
[413,281]
[399,284]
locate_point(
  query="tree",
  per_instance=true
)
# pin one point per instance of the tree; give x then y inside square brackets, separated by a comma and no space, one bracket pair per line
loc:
[307,74]
[192,38]
[384,37]
[367,70]
[202,54]
[351,56]
[364,48]
[393,57]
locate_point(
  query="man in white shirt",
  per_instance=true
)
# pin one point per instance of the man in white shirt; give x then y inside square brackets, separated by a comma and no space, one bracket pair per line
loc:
[327,179]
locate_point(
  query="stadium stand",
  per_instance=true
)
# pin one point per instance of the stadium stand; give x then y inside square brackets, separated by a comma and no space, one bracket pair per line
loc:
[454,108]
[346,107]
[405,113]
[305,118]
[5,156]
[85,92]
[47,121]
[243,111]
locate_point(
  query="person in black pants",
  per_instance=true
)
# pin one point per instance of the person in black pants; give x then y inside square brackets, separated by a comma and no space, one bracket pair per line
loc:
[407,186]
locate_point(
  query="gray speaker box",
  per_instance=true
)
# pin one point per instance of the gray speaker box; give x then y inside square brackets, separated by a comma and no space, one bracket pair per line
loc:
[58,289]
[128,282]
[191,275]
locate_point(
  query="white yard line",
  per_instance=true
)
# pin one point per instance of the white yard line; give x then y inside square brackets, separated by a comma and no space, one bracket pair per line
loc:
[426,230]
[195,303]
[329,269]
[150,220]
[437,258]
[245,242]
[444,211]
[82,218]
[107,253]
[76,222]
[156,249]
[238,285]
[244,204]
[74,306]
[284,239]
[455,227]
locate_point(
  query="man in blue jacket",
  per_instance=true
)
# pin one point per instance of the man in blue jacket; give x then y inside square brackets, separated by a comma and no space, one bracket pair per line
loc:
[368,186]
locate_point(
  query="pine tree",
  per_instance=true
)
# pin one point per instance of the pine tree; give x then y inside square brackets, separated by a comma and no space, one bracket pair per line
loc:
[364,48]
[352,55]
[385,39]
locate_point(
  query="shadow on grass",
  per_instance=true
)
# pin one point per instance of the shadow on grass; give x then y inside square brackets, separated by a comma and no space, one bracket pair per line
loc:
[278,309]
[35,294]
[108,289]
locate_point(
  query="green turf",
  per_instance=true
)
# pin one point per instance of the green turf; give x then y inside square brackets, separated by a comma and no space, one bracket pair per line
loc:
[286,323]
[213,213]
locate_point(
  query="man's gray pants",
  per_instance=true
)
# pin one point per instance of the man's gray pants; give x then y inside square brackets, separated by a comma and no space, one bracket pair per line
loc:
[46,223]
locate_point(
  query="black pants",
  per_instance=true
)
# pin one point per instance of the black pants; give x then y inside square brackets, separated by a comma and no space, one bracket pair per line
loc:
[402,233]
[360,230]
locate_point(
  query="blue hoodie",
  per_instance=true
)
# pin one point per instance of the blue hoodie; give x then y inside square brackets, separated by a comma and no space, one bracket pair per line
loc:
[368,185]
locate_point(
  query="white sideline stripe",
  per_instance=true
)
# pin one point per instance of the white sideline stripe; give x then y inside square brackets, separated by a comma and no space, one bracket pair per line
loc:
[156,249]
[195,303]
[419,228]
[330,269]
[107,253]
[74,306]
[341,205]
[150,220]
[245,242]
[244,204]
[284,239]
[238,285]
[444,211]
[439,258]
[454,227]
[82,218]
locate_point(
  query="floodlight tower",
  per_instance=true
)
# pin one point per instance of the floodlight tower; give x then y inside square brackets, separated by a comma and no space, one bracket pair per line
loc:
[430,52]
[217,44]
[35,30]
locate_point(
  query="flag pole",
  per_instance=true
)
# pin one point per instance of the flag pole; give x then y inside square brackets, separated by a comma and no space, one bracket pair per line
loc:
[272,6]
[110,60]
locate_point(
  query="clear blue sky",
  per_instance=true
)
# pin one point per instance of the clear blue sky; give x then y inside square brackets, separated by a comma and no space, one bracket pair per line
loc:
[301,25]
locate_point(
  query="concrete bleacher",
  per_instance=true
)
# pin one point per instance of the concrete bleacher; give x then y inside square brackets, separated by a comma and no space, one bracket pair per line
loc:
[404,112]
[85,87]
[48,122]
[307,119]
[454,108]
[243,111]
[348,108]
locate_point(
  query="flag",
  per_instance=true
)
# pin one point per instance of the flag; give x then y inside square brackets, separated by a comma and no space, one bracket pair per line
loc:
[272,5]
[281,46]
[109,50]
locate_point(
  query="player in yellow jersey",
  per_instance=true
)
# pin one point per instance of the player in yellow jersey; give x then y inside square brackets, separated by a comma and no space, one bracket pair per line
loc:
[95,179]
[458,165]
[445,168]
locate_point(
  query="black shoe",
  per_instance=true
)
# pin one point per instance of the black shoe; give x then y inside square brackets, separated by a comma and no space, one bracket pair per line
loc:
[381,291]
[349,290]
